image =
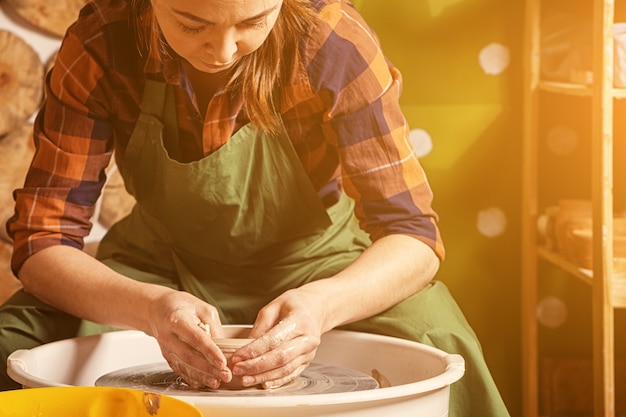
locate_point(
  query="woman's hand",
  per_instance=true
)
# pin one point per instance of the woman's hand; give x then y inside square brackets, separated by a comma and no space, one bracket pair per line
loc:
[289,329]
[287,333]
[183,326]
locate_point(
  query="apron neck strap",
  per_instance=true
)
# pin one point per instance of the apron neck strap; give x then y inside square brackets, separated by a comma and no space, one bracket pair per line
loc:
[154,102]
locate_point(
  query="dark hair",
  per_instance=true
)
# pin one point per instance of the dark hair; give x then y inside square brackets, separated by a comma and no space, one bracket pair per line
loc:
[258,74]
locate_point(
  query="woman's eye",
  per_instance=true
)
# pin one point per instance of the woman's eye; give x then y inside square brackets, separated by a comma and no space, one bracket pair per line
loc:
[258,25]
[190,29]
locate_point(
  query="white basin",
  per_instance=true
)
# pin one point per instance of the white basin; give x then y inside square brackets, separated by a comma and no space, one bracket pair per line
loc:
[420,375]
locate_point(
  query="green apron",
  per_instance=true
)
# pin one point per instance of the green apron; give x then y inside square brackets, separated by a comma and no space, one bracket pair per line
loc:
[237,228]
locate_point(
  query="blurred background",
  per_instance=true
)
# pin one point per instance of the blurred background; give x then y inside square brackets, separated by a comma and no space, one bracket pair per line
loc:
[462,66]
[462,63]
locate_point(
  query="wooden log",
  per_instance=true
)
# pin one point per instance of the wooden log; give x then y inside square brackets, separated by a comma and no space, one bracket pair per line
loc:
[51,17]
[21,81]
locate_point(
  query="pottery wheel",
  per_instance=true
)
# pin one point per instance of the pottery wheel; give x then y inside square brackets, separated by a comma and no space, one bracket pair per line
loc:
[316,379]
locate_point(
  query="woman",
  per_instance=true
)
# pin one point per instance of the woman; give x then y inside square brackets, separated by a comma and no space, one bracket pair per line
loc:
[265,146]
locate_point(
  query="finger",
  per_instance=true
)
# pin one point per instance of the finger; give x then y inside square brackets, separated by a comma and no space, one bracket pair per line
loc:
[280,356]
[199,338]
[194,376]
[272,349]
[284,331]
[277,378]
[195,357]
[264,322]
[206,328]
[210,323]
[277,363]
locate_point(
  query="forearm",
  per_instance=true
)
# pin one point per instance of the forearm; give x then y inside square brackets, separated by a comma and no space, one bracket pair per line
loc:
[76,283]
[391,270]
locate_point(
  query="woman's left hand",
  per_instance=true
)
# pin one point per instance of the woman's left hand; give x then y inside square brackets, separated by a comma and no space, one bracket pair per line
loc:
[287,332]
[289,328]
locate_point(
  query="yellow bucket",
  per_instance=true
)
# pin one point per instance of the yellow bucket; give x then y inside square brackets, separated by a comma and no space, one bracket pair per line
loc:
[91,402]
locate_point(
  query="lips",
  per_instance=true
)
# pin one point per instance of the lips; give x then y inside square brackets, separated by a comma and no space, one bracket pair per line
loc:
[217,67]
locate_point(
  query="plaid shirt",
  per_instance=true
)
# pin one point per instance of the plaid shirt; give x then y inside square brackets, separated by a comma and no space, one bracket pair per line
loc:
[340,108]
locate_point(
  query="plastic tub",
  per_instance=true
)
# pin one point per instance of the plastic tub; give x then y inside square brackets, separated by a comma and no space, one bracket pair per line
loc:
[419,375]
[92,402]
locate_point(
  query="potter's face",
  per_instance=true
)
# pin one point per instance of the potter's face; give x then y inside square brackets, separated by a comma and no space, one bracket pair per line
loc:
[213,34]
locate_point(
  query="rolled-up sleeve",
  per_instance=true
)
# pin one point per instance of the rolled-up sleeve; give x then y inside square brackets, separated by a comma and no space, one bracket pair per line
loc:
[379,167]
[73,148]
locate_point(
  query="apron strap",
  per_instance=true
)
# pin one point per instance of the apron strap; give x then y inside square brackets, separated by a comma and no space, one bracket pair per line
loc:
[161,103]
[154,103]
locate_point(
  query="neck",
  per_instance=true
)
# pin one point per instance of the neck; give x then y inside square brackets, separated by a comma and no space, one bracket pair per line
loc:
[205,85]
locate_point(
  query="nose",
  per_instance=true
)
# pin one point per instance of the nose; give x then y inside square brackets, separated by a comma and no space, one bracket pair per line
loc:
[223,47]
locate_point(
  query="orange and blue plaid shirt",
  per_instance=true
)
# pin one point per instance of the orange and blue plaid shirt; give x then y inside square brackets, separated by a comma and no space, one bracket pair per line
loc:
[340,107]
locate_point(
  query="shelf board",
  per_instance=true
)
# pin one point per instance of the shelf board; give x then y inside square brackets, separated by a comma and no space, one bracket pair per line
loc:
[573,89]
[586,275]
[556,259]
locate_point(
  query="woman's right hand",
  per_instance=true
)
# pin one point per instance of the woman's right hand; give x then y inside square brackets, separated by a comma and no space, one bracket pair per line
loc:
[184,326]
[87,288]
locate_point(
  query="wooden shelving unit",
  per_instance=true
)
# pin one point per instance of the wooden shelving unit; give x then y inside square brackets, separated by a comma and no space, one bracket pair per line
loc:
[607,291]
